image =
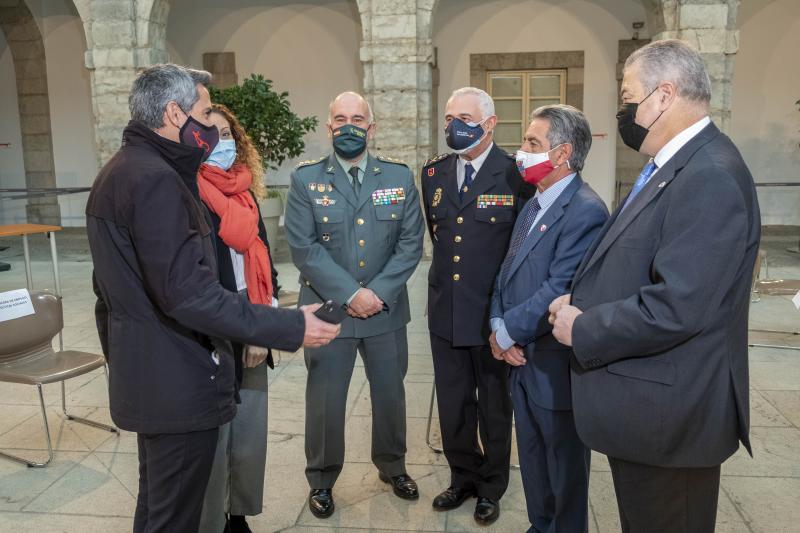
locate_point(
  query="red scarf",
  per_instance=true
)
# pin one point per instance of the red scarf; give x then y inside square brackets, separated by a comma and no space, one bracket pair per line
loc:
[227,193]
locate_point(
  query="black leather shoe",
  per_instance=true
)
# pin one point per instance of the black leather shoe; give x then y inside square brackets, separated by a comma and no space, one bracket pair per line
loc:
[320,502]
[452,498]
[403,485]
[486,511]
[238,524]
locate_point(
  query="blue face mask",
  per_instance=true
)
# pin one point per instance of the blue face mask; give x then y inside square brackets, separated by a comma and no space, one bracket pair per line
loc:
[463,136]
[223,155]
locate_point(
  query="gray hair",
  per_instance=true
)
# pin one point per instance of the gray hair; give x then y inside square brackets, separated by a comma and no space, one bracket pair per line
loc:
[157,86]
[568,125]
[676,62]
[369,107]
[485,102]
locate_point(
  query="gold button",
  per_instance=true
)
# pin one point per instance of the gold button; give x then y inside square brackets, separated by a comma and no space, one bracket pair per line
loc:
[456,277]
[492,220]
[308,283]
[433,216]
[458,238]
[394,215]
[362,242]
[324,219]
[456,258]
[360,221]
[362,264]
[460,220]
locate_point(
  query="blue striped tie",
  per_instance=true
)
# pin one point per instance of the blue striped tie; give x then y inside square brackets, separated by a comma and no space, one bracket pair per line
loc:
[519,237]
[641,181]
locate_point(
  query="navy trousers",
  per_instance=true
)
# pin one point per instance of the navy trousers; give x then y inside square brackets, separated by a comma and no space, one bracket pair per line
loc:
[553,460]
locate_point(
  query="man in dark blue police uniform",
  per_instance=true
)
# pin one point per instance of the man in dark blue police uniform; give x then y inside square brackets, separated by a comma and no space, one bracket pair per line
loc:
[471,199]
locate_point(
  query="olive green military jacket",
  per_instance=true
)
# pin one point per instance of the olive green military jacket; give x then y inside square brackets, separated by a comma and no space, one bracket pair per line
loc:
[341,243]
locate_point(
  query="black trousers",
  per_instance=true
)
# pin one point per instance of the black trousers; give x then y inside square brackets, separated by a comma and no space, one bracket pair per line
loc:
[676,500]
[173,474]
[473,397]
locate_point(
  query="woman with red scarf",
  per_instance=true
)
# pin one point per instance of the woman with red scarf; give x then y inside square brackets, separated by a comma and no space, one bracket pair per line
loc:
[230,183]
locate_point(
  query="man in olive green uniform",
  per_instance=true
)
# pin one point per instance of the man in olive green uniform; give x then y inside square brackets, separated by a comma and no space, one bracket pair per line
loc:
[355,230]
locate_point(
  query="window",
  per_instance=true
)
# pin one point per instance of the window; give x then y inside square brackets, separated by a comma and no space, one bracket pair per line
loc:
[516,95]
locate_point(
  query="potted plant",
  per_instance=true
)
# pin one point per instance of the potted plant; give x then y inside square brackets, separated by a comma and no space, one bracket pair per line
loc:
[277,132]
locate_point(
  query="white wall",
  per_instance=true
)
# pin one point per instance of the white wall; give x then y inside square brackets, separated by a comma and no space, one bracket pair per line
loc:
[464,27]
[70,111]
[12,169]
[309,49]
[765,122]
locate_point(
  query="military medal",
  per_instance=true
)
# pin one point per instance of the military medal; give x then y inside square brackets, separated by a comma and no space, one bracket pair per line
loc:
[330,188]
[312,186]
[437,197]
[324,201]
[326,237]
[320,187]
[388,196]
[495,200]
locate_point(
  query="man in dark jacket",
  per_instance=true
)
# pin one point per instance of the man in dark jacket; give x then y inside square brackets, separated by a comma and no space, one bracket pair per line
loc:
[162,315]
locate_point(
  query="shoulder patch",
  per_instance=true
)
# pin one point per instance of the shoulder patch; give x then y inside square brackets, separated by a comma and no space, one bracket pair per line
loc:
[387,159]
[311,162]
[436,159]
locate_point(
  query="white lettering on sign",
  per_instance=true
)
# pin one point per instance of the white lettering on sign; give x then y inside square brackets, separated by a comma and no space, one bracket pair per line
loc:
[15,304]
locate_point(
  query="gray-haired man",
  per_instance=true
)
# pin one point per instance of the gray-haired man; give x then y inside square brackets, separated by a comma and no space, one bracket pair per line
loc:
[161,313]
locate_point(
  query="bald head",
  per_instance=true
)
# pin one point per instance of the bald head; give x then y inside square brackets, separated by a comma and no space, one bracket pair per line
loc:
[349,108]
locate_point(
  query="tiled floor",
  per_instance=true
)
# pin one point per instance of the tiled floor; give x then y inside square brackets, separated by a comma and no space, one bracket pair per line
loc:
[91,485]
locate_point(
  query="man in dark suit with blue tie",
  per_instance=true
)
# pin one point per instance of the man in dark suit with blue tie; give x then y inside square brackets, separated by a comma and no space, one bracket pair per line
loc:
[659,305]
[550,237]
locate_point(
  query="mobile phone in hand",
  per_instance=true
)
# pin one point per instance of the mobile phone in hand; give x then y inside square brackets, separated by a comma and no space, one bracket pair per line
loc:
[331,313]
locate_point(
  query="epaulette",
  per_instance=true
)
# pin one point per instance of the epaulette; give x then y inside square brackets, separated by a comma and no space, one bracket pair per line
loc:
[387,159]
[311,162]
[435,159]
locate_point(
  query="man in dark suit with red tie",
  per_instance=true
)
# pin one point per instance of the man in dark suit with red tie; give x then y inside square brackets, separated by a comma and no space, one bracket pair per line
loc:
[659,305]
[471,199]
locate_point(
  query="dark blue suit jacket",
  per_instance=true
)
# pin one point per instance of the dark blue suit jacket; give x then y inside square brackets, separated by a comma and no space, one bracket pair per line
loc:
[541,272]
[660,374]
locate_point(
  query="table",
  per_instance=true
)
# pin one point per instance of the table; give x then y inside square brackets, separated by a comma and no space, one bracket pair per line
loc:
[23,230]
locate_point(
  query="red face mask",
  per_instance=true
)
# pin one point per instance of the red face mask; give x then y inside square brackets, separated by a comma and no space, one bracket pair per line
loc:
[535,167]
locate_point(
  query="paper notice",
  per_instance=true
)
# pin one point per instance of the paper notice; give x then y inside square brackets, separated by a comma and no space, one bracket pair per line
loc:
[15,304]
[796,300]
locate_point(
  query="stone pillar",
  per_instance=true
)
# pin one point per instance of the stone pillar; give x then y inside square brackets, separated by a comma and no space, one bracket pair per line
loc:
[629,162]
[27,49]
[710,27]
[397,52]
[123,36]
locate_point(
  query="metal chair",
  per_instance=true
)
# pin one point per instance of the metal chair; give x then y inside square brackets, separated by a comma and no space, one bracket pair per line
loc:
[27,357]
[436,449]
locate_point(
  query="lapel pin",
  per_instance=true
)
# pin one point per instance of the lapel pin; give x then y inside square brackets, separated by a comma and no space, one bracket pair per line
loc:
[661,185]
[431,172]
[376,169]
[542,227]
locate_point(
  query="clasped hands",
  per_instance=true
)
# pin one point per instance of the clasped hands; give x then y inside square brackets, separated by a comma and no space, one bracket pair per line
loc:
[365,304]
[562,317]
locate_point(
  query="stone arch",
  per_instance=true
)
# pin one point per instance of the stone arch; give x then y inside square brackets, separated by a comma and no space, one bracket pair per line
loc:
[27,49]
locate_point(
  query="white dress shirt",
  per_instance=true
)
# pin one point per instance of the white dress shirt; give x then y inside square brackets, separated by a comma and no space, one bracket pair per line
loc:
[476,164]
[678,142]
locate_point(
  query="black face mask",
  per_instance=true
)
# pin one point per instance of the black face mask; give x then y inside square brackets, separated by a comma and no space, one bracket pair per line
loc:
[197,135]
[633,135]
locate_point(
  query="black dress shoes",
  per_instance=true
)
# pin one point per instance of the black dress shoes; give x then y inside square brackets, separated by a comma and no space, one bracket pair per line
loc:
[451,498]
[238,524]
[320,502]
[486,511]
[402,485]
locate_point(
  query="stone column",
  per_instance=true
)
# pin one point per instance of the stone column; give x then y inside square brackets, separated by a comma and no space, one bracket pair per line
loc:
[397,52]
[27,49]
[123,36]
[709,26]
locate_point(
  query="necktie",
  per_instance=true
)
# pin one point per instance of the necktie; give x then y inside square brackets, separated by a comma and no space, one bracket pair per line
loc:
[356,184]
[519,237]
[469,171]
[641,181]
